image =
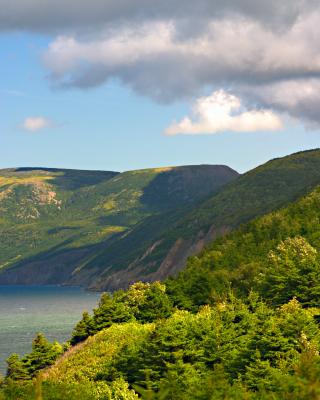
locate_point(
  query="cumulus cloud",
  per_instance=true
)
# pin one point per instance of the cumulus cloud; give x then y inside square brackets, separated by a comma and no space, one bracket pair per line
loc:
[153,60]
[266,52]
[223,112]
[35,124]
[277,70]
[262,65]
[295,97]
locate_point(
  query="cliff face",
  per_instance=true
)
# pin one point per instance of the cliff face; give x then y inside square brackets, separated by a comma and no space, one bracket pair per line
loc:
[158,269]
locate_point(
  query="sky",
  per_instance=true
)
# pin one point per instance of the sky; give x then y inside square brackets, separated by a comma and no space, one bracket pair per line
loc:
[120,85]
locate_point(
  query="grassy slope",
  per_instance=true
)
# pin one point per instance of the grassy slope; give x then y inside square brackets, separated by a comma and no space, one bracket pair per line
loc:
[66,216]
[96,355]
[272,185]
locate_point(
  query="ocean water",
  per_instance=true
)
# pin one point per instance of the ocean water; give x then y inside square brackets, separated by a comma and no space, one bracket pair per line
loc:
[27,310]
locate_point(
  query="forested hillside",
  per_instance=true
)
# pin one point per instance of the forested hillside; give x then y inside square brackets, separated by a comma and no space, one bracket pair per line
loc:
[241,322]
[53,222]
[259,191]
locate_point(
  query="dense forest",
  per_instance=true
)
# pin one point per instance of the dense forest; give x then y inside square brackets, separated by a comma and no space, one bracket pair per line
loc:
[240,322]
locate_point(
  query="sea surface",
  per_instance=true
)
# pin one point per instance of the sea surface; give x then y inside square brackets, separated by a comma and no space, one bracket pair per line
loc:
[27,310]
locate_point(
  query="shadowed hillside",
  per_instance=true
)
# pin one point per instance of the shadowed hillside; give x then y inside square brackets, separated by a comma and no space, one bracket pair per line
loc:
[53,222]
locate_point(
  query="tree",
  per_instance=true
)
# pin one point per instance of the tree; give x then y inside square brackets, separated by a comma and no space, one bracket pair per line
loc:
[110,310]
[293,272]
[16,369]
[43,354]
[155,304]
[82,330]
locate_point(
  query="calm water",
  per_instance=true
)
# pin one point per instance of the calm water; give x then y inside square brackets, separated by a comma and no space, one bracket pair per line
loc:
[26,310]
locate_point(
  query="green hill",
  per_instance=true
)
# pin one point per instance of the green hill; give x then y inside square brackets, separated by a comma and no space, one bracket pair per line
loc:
[276,255]
[166,247]
[53,222]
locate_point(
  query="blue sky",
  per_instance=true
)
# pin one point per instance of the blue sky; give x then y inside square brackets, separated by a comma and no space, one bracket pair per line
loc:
[118,125]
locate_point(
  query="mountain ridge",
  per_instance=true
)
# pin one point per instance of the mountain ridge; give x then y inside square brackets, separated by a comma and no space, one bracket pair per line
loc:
[158,221]
[74,212]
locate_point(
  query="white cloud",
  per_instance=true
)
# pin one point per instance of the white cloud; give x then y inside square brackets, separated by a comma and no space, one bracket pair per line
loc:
[294,97]
[230,49]
[266,52]
[222,112]
[156,59]
[35,124]
[121,47]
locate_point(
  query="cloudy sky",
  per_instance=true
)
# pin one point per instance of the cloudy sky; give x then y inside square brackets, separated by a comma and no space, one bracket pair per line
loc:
[122,84]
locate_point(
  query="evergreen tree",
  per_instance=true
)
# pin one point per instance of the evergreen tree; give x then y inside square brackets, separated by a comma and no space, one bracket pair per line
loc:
[43,354]
[110,310]
[82,330]
[293,271]
[155,304]
[16,369]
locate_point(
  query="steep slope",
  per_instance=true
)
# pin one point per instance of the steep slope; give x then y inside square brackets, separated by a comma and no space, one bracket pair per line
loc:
[277,255]
[52,222]
[266,188]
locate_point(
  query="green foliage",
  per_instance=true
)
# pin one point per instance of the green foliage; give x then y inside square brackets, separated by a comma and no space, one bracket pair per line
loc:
[95,357]
[294,270]
[43,354]
[276,255]
[148,302]
[111,310]
[118,390]
[16,369]
[14,390]
[236,349]
[142,302]
[233,350]
[82,330]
